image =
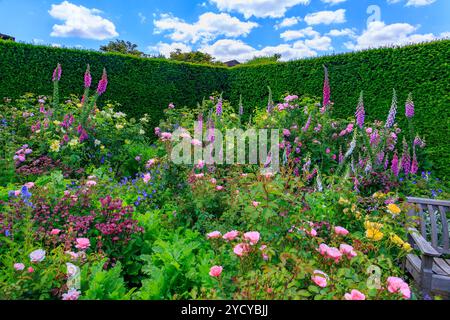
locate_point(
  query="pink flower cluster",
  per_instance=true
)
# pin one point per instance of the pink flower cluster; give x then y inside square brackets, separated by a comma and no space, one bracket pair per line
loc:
[335,253]
[21,154]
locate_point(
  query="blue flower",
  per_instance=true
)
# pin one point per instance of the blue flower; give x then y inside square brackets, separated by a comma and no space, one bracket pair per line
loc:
[25,193]
[7,233]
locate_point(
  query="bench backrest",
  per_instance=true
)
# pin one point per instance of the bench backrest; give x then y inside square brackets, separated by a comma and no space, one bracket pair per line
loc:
[434,221]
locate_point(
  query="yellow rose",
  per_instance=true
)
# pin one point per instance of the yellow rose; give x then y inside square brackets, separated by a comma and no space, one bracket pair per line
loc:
[394,209]
[397,240]
[372,225]
[342,201]
[374,234]
[407,247]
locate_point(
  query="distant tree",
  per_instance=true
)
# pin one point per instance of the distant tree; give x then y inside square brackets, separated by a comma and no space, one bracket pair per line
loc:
[264,60]
[122,46]
[194,57]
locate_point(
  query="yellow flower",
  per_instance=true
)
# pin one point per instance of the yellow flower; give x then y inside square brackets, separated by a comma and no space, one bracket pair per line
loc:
[397,240]
[54,146]
[56,122]
[407,247]
[102,147]
[353,207]
[378,195]
[119,126]
[73,142]
[374,234]
[343,201]
[372,225]
[394,209]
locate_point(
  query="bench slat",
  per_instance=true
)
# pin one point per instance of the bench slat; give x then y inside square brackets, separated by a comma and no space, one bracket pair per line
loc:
[434,233]
[423,227]
[443,265]
[445,236]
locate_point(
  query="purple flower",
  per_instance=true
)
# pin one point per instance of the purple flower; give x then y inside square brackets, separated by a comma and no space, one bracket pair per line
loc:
[392,112]
[307,124]
[326,89]
[57,73]
[409,107]
[102,84]
[219,107]
[414,164]
[87,78]
[394,165]
[360,113]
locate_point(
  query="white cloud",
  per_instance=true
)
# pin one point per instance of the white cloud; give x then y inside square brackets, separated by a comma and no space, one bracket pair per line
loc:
[166,48]
[142,18]
[228,49]
[333,2]
[287,22]
[297,34]
[81,22]
[347,32]
[379,34]
[208,27]
[258,8]
[326,17]
[414,3]
[321,43]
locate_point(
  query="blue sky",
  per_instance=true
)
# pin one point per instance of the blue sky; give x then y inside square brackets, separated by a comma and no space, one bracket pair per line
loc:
[228,29]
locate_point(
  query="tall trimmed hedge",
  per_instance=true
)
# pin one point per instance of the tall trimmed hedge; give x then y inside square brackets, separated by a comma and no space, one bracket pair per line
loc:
[140,85]
[422,69]
[149,85]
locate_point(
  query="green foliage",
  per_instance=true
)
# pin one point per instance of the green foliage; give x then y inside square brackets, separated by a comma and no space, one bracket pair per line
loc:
[194,57]
[148,85]
[421,69]
[140,85]
[122,46]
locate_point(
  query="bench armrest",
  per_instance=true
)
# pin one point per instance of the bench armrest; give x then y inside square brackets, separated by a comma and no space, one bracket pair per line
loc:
[423,245]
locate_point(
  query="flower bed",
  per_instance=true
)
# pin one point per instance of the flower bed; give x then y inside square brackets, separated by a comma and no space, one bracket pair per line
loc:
[91,210]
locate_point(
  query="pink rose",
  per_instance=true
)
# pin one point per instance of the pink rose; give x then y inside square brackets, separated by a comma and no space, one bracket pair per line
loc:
[214,235]
[347,250]
[323,249]
[354,295]
[397,285]
[82,243]
[55,232]
[146,178]
[328,150]
[340,231]
[319,278]
[231,235]
[19,266]
[252,236]
[241,249]
[213,181]
[219,188]
[256,203]
[37,255]
[30,270]
[215,271]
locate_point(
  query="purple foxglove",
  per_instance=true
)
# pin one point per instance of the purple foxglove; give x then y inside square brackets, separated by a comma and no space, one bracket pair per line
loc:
[409,107]
[360,113]
[326,90]
[392,112]
[102,84]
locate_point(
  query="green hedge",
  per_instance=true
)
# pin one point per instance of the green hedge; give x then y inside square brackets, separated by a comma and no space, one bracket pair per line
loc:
[149,85]
[140,85]
[422,69]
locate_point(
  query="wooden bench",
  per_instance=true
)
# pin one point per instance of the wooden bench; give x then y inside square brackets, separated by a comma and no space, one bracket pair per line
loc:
[430,270]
